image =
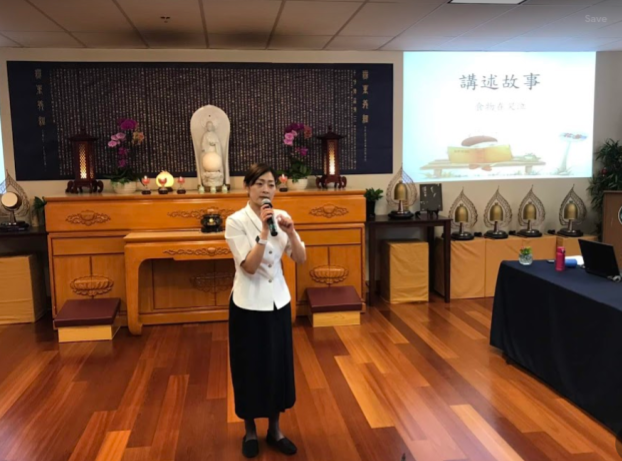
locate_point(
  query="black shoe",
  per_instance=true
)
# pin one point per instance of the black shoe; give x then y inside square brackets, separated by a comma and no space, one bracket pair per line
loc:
[284,445]
[250,448]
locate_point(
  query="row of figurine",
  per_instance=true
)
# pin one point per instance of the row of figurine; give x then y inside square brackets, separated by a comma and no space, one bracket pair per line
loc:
[165,182]
[402,194]
[531,214]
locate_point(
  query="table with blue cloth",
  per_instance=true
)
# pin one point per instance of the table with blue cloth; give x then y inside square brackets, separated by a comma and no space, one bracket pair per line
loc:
[565,328]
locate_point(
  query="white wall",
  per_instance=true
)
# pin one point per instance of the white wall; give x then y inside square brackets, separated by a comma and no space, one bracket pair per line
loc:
[608,119]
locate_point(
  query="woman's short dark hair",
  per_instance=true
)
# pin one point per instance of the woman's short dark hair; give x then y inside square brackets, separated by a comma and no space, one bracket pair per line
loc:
[256,171]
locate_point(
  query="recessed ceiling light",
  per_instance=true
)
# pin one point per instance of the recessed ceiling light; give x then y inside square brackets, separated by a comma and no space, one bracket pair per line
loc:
[489,2]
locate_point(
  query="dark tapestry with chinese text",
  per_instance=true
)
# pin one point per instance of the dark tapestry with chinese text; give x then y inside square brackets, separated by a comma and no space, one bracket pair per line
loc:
[50,101]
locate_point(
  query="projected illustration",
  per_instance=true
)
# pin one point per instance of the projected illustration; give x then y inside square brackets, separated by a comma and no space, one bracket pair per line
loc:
[498,115]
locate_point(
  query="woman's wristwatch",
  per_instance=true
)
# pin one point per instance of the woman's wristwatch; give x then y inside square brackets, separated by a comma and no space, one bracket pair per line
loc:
[261,241]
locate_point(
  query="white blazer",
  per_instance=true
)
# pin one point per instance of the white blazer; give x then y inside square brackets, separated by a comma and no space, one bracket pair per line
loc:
[265,288]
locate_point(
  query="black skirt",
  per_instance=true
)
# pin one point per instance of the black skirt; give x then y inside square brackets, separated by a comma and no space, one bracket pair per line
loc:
[262,361]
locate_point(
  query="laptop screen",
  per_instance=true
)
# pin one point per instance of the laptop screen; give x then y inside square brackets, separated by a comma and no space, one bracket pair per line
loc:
[599,258]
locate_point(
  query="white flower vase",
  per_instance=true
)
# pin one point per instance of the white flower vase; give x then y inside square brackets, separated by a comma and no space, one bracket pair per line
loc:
[301,184]
[525,260]
[124,188]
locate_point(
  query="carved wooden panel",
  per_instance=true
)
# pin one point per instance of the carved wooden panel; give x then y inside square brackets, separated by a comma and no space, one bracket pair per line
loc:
[209,251]
[330,265]
[112,267]
[89,245]
[91,285]
[349,257]
[329,274]
[323,208]
[332,237]
[329,211]
[198,214]
[162,212]
[145,286]
[88,218]
[224,266]
[316,257]
[66,270]
[213,282]
[174,285]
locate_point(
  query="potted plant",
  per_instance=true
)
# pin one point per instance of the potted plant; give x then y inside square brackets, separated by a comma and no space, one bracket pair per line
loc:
[123,181]
[608,178]
[372,196]
[39,211]
[299,171]
[525,256]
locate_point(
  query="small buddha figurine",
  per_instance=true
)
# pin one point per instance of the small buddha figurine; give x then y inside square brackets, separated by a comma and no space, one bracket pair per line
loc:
[211,159]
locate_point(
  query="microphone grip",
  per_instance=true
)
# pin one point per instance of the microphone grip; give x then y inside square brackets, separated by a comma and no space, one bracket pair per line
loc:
[272,227]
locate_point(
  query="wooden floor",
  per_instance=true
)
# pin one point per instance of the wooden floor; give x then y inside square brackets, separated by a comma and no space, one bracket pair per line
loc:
[419,380]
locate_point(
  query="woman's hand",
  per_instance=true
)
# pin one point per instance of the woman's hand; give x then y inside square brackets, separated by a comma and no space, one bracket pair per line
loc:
[286,224]
[298,251]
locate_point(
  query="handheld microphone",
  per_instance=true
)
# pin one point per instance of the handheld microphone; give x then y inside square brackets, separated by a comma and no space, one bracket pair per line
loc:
[271,225]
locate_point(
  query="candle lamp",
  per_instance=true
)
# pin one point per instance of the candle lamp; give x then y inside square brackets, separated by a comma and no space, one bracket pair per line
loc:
[283,183]
[162,190]
[83,154]
[166,181]
[145,182]
[181,189]
[330,154]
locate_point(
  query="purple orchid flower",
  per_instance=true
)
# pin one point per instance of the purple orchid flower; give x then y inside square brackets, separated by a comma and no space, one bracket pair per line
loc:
[128,124]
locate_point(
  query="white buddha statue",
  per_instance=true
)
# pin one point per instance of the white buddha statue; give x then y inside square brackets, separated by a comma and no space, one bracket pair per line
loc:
[211,158]
[210,130]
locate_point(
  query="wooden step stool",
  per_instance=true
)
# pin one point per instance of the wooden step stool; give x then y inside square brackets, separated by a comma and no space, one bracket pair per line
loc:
[88,320]
[334,306]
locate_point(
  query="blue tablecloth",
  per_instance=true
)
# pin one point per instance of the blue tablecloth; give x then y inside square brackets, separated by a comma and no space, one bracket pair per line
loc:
[566,328]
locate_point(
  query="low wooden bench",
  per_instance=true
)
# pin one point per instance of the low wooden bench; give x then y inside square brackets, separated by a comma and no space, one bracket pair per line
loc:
[88,320]
[334,306]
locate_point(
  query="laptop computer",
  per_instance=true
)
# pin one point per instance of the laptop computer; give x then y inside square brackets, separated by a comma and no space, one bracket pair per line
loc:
[599,258]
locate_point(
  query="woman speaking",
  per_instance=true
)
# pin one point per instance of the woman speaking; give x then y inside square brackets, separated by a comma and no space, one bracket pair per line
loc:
[260,329]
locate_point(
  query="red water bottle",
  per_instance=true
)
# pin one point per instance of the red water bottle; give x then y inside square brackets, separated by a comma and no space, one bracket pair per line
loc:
[560,259]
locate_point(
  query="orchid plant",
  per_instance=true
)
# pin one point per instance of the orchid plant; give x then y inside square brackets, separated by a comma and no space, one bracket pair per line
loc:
[298,167]
[129,135]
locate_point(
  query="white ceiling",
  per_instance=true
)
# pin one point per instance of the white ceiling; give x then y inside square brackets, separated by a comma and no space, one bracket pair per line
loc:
[535,25]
